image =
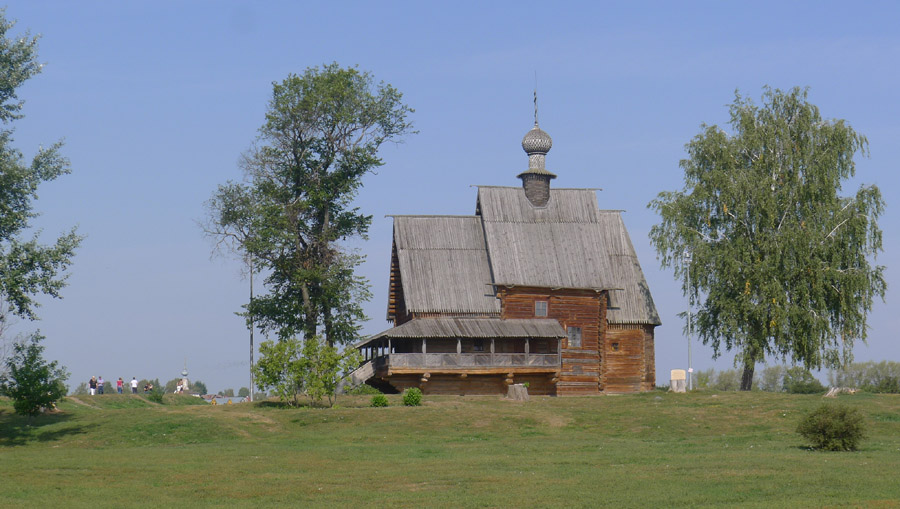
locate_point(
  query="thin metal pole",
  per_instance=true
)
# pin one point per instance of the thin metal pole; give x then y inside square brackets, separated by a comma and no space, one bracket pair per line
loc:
[251,329]
[688,259]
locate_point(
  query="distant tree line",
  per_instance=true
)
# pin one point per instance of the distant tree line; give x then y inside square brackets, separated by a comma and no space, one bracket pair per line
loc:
[875,377]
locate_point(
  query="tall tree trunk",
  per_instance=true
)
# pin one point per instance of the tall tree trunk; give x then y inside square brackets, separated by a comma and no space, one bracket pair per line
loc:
[747,377]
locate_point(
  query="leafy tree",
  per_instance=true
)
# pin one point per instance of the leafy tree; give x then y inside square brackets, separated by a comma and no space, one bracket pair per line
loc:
[321,136]
[228,393]
[81,390]
[772,379]
[324,369]
[27,268]
[171,385]
[243,392]
[780,260]
[292,367]
[198,387]
[32,383]
[280,368]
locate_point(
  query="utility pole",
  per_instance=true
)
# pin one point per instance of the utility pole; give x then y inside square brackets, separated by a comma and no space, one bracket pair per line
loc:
[687,263]
[250,262]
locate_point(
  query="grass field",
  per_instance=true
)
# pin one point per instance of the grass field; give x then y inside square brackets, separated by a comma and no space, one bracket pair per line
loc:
[647,450]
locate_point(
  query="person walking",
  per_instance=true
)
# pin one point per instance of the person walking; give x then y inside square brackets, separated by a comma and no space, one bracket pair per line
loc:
[100,385]
[119,385]
[93,385]
[134,384]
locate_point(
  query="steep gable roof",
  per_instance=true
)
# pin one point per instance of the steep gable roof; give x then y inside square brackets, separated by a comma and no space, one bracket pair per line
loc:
[632,303]
[559,245]
[443,265]
[569,243]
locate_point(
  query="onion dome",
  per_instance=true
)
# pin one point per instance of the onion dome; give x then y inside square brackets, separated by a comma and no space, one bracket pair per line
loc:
[536,141]
[536,144]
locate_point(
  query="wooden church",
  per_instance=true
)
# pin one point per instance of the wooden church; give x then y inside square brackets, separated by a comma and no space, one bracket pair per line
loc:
[540,286]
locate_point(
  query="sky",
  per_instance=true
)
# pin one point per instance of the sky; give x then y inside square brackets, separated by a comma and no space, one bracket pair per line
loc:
[156,101]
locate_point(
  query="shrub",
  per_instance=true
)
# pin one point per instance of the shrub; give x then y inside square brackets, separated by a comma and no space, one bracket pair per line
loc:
[833,428]
[799,380]
[363,390]
[412,397]
[156,394]
[379,400]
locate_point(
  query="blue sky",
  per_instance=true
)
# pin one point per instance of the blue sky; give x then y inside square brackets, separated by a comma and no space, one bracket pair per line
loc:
[157,100]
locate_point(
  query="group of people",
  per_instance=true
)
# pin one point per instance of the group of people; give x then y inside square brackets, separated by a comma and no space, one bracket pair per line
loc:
[96,385]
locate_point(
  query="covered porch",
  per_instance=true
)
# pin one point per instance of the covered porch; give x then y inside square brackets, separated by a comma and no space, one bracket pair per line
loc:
[465,355]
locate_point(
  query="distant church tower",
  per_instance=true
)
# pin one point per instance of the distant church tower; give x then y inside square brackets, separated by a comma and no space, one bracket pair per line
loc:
[185,383]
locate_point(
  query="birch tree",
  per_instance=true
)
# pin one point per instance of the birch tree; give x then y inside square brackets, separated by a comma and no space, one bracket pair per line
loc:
[783,263]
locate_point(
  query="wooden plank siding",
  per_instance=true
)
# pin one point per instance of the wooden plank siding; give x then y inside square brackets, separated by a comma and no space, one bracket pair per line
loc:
[396,303]
[580,370]
[628,360]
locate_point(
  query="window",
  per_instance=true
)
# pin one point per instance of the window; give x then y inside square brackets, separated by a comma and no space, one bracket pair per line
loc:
[540,308]
[615,347]
[478,345]
[574,337]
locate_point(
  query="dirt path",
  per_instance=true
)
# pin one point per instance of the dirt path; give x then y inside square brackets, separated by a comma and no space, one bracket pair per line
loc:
[77,401]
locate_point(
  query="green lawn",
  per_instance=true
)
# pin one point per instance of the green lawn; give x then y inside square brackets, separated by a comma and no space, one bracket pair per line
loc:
[647,450]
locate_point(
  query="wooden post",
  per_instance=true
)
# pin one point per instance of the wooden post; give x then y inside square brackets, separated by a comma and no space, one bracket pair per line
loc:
[424,346]
[527,349]
[492,351]
[389,346]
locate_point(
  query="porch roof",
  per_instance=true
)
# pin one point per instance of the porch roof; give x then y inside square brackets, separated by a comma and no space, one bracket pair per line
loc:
[450,327]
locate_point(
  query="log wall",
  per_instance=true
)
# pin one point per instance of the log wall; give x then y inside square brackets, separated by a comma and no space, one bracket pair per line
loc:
[628,359]
[580,372]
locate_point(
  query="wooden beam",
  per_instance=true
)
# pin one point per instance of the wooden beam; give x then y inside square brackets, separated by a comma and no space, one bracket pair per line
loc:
[537,370]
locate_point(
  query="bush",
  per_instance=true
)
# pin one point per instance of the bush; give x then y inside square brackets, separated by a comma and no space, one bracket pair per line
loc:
[833,428]
[156,394]
[363,390]
[412,397]
[379,400]
[799,380]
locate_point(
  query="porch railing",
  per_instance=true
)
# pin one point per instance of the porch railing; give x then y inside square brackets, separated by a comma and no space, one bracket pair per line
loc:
[468,360]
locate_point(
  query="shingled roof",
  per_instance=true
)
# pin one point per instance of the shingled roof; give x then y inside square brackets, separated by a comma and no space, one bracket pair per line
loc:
[450,264]
[444,265]
[452,327]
